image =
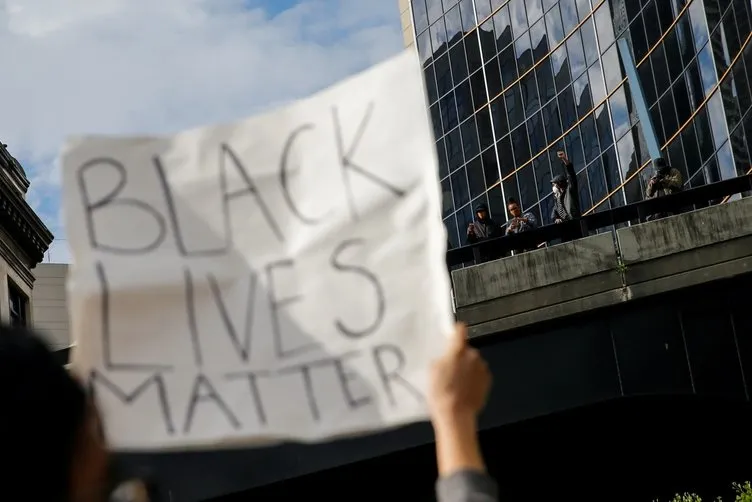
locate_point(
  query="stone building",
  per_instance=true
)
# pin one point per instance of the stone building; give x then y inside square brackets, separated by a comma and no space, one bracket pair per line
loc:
[23,241]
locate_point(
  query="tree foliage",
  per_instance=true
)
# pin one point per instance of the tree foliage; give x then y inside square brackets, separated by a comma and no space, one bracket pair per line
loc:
[743,494]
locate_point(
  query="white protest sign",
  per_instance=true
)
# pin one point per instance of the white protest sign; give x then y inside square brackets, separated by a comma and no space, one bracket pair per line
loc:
[280,278]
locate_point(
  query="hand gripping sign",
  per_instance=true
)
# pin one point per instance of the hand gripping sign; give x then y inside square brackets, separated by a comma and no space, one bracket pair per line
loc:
[277,279]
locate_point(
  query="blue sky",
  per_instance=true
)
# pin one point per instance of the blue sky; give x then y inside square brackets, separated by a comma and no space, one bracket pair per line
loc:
[139,66]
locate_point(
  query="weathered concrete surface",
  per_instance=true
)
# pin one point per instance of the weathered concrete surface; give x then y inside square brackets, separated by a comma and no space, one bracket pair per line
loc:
[606,269]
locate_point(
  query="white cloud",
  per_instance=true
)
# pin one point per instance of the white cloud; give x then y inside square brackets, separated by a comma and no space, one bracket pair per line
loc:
[143,66]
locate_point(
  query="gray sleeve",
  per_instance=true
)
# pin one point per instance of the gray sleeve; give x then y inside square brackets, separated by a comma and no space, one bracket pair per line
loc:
[467,486]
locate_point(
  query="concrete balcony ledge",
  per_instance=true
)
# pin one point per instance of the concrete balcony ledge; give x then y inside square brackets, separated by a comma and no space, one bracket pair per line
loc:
[606,269]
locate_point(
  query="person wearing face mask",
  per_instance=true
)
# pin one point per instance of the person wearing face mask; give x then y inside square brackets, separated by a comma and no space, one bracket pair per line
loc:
[566,193]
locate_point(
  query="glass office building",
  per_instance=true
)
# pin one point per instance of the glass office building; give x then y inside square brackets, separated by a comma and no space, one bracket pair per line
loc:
[511,82]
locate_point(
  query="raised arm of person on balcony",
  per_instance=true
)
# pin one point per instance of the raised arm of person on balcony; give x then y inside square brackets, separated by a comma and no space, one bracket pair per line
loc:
[460,382]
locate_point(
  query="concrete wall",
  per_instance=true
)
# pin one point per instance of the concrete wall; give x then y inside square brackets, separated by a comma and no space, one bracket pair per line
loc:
[406,17]
[606,269]
[49,304]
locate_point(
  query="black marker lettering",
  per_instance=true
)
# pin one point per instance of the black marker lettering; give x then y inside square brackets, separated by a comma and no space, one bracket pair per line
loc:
[243,347]
[276,305]
[347,164]
[305,373]
[128,398]
[392,376]
[228,155]
[177,227]
[112,200]
[372,280]
[284,176]
[210,394]
[252,378]
[190,308]
[346,378]
[107,333]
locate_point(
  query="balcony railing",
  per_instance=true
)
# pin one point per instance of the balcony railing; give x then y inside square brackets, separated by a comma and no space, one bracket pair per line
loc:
[687,200]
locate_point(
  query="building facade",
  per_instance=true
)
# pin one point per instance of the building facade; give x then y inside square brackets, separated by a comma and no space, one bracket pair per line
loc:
[50,304]
[23,241]
[511,82]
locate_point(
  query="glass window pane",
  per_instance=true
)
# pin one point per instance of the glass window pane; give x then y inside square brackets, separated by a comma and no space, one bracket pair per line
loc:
[420,15]
[559,60]
[524,53]
[717,119]
[597,181]
[444,81]
[537,137]
[589,135]
[458,62]
[568,16]
[619,113]
[528,188]
[460,191]
[452,234]
[472,48]
[567,108]
[499,117]
[542,175]
[478,90]
[438,37]
[597,87]
[453,142]
[448,110]
[490,166]
[470,143]
[726,162]
[582,95]
[503,28]
[464,100]
[520,146]
[660,70]
[576,52]
[603,123]
[467,12]
[574,149]
[534,11]
[436,121]
[475,178]
[493,78]
[508,64]
[588,39]
[506,158]
[483,119]
[447,203]
[604,26]
[441,153]
[652,24]
[699,23]
[487,40]
[552,121]
[668,114]
[482,9]
[545,77]
[611,169]
[430,80]
[612,68]
[554,28]
[515,110]
[707,69]
[453,22]
[425,50]
[539,41]
[530,98]
[519,16]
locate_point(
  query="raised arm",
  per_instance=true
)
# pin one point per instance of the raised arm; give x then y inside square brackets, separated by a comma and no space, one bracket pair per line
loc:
[460,382]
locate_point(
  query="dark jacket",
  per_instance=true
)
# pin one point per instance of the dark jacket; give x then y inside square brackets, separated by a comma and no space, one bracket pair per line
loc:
[482,230]
[570,200]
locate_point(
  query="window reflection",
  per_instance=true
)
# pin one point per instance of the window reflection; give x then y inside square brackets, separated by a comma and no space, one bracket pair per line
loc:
[538,40]
[561,68]
[420,15]
[619,113]
[603,124]
[576,55]
[447,204]
[589,135]
[717,119]
[434,10]
[699,24]
[534,11]
[452,234]
[518,16]
[553,27]
[460,191]
[467,13]
[503,28]
[524,52]
[483,9]
[612,68]
[470,144]
[453,22]
[726,164]
[520,145]
[707,69]
[627,155]
[568,15]
[604,26]
[476,181]
[588,39]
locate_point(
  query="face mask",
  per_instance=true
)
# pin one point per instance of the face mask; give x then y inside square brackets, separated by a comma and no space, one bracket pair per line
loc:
[557,190]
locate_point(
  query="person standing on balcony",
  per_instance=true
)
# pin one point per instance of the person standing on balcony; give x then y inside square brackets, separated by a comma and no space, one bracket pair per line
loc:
[666,181]
[483,227]
[520,222]
[566,193]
